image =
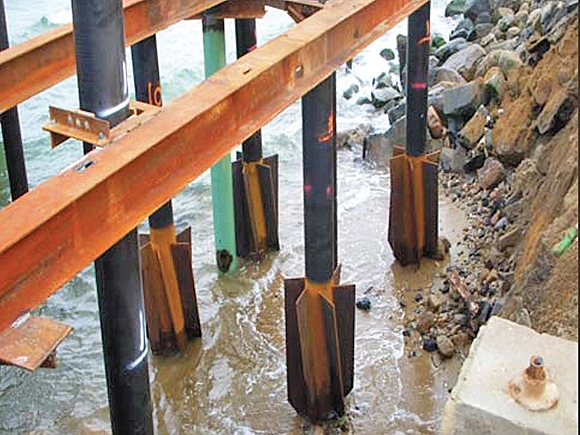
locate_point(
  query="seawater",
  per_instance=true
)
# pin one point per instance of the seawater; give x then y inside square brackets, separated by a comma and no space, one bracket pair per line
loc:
[233,380]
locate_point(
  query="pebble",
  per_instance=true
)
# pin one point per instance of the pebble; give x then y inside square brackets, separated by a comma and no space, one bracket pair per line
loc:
[363,304]
[445,346]
[425,322]
[501,224]
[429,344]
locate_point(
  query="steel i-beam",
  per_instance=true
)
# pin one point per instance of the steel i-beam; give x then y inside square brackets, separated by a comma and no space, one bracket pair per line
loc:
[255,178]
[103,90]
[168,284]
[319,312]
[11,132]
[413,219]
[222,195]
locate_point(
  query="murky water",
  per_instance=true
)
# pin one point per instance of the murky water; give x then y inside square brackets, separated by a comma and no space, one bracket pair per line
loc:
[233,380]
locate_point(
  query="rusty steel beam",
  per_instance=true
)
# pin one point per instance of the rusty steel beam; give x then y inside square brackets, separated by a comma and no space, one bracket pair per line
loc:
[58,228]
[41,62]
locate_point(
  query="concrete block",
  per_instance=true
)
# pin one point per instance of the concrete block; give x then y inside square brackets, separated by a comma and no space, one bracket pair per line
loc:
[480,404]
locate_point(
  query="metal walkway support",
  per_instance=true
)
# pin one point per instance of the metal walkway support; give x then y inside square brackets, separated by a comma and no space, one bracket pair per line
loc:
[413,219]
[103,90]
[255,178]
[214,49]
[11,131]
[168,284]
[319,312]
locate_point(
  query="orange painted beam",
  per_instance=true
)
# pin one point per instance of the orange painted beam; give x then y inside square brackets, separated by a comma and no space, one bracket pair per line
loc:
[41,62]
[58,228]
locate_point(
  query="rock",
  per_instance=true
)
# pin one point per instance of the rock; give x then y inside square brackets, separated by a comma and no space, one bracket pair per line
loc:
[465,29]
[465,61]
[492,276]
[425,322]
[484,312]
[433,61]
[521,18]
[397,112]
[534,18]
[435,96]
[452,160]
[504,59]
[382,96]
[455,7]
[442,74]
[482,30]
[378,148]
[362,100]
[473,8]
[512,144]
[484,17]
[474,162]
[429,344]
[434,123]
[523,317]
[463,100]
[505,23]
[355,136]
[434,302]
[387,54]
[500,13]
[513,32]
[449,49]
[557,111]
[363,304]
[383,80]
[488,40]
[501,224]
[491,174]
[473,131]
[437,41]
[461,339]
[509,239]
[495,85]
[445,346]
[352,89]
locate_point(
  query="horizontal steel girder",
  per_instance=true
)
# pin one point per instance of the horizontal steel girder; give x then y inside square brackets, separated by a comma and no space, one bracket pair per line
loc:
[58,228]
[41,62]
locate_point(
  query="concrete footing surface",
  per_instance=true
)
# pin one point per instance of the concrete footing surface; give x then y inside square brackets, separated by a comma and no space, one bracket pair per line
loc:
[480,403]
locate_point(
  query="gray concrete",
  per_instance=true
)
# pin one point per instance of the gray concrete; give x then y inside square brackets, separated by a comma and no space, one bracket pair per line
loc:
[479,403]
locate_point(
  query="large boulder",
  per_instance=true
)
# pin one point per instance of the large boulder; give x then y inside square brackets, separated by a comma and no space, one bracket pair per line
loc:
[465,29]
[495,85]
[512,134]
[449,49]
[380,97]
[491,174]
[462,101]
[473,131]
[442,74]
[378,148]
[474,8]
[506,60]
[455,7]
[465,61]
[557,111]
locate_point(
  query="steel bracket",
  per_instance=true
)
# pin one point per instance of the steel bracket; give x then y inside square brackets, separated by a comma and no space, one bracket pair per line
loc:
[86,127]
[31,343]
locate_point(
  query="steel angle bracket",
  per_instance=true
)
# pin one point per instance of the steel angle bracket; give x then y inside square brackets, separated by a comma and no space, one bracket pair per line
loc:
[31,342]
[169,314]
[320,367]
[414,212]
[86,127]
[255,186]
